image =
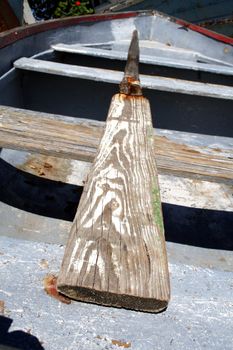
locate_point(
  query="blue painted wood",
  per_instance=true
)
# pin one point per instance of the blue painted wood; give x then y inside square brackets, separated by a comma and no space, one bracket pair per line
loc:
[195,11]
[190,10]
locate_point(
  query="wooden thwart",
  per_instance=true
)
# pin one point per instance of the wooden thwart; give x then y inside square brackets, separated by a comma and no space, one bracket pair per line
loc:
[110,76]
[193,60]
[76,138]
[116,252]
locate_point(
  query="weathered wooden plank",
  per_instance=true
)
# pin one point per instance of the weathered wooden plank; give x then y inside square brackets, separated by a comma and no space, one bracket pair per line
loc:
[76,138]
[116,252]
[114,77]
[48,134]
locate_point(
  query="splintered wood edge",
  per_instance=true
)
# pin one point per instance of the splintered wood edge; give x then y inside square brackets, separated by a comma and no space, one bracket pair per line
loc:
[114,300]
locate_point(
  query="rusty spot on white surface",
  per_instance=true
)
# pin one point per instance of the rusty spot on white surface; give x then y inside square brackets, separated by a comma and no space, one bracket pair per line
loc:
[50,286]
[44,264]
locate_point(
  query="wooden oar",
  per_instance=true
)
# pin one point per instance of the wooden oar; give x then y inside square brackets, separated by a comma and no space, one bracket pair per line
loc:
[116,252]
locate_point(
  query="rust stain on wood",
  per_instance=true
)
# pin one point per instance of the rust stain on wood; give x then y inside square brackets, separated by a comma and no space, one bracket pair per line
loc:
[53,168]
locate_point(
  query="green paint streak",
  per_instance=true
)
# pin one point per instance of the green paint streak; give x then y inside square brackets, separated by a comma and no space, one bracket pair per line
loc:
[150,133]
[156,204]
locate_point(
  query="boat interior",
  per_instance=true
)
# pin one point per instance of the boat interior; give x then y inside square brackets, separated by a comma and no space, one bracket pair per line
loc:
[56,86]
[170,53]
[74,72]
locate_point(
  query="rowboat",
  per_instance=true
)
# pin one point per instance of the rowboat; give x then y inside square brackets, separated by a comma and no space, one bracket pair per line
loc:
[57,80]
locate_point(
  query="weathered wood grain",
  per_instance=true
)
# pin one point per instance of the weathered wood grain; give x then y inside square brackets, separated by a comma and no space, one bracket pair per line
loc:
[116,251]
[76,138]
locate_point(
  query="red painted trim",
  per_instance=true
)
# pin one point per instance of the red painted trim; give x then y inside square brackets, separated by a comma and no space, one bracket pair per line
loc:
[206,32]
[11,36]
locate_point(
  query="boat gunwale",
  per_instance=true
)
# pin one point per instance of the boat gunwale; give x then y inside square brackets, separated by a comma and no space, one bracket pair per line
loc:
[15,34]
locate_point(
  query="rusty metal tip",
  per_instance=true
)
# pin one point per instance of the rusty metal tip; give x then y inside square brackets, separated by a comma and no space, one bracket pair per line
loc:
[130,84]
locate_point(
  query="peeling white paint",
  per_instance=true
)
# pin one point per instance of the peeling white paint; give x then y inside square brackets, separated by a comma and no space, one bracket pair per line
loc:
[196,193]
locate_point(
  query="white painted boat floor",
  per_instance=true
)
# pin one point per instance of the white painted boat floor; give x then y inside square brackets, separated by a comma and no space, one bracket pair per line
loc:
[199,316]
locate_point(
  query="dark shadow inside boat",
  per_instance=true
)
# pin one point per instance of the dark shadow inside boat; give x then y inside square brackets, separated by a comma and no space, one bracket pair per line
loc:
[90,99]
[184,225]
[36,194]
